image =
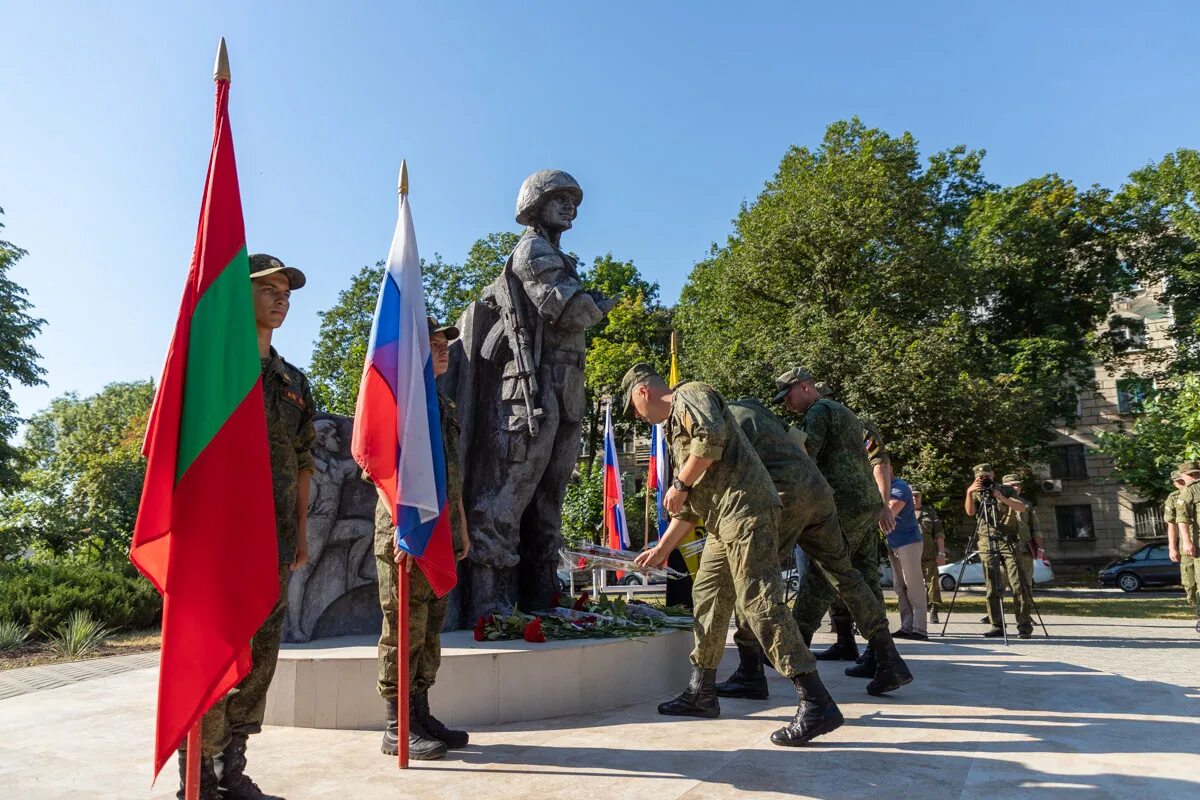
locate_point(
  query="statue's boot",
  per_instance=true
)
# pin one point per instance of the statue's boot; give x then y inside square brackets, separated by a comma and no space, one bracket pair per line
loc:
[748,681]
[391,728]
[816,713]
[890,670]
[699,699]
[454,740]
[845,648]
[208,778]
[235,783]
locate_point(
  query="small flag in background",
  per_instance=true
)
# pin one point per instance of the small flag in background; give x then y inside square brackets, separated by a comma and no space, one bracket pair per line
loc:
[614,501]
[397,422]
[659,479]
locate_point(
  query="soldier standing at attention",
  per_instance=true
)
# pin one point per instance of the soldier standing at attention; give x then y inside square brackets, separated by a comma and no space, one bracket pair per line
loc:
[1187,573]
[290,434]
[835,439]
[1187,522]
[998,543]
[721,481]
[933,552]
[428,738]
[809,518]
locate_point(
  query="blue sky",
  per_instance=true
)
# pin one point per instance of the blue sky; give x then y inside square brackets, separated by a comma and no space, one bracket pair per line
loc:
[669,114]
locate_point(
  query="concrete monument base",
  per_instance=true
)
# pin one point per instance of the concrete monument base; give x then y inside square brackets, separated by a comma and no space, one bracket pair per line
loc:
[331,683]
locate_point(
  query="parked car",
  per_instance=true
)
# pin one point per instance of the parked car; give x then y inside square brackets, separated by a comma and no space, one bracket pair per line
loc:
[634,579]
[583,577]
[972,573]
[1149,565]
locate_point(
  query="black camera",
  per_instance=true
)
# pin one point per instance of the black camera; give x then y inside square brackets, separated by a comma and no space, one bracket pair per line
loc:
[986,483]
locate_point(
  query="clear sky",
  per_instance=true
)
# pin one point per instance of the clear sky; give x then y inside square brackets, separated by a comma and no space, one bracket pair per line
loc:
[670,114]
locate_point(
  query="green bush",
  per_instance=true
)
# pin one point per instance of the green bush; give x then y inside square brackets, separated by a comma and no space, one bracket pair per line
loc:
[12,635]
[42,595]
[79,635]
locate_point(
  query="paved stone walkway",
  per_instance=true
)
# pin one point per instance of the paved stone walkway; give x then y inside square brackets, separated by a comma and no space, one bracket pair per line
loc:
[1104,709]
[23,680]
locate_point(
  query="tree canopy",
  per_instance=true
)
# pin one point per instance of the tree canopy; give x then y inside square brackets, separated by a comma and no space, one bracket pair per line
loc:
[18,358]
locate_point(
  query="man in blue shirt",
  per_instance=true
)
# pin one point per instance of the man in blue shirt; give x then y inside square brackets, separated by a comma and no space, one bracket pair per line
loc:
[905,547]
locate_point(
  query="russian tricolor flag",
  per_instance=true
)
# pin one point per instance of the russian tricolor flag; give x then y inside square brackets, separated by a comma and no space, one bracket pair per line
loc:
[614,501]
[397,424]
[659,470]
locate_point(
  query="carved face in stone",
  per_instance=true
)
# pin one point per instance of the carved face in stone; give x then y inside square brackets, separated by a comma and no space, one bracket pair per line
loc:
[558,212]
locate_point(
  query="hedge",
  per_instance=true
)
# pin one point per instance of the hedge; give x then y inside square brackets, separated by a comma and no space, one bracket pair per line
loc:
[43,594]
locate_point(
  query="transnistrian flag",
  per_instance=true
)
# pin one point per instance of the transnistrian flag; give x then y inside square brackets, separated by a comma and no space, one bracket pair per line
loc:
[397,423]
[614,501]
[205,531]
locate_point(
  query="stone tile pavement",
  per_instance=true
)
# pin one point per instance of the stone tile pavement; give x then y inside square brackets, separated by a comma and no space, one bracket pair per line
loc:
[1104,709]
[33,679]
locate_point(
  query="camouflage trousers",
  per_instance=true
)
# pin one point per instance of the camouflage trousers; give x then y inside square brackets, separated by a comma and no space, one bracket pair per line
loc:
[856,596]
[933,585]
[426,615]
[1189,574]
[1008,569]
[739,569]
[241,711]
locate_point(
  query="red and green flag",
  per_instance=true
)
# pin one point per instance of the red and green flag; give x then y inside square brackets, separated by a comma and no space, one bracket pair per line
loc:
[205,532]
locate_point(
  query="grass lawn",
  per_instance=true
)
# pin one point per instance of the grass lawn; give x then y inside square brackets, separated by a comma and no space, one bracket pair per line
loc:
[1118,606]
[36,653]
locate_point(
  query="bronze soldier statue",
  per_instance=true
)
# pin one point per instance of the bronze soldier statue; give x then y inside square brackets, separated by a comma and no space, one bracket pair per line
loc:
[518,380]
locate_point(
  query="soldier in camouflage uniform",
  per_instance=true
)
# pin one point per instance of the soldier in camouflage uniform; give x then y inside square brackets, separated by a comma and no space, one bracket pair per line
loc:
[290,435]
[999,548]
[428,738]
[721,481]
[809,518]
[1187,522]
[933,554]
[837,442]
[1028,541]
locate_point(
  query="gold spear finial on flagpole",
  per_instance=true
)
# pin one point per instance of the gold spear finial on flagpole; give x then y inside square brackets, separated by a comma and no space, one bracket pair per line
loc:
[221,68]
[403,187]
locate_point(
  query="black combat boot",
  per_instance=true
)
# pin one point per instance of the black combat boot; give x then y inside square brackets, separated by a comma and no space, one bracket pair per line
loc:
[890,670]
[454,740]
[864,667]
[235,784]
[933,615]
[699,699]
[816,714]
[747,681]
[422,745]
[391,728]
[208,778]
[845,648]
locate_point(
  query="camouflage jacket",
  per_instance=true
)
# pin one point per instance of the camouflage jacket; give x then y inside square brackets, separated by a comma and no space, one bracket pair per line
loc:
[877,452]
[1187,505]
[800,484]
[290,435]
[1170,507]
[1010,522]
[736,485]
[931,528]
[835,440]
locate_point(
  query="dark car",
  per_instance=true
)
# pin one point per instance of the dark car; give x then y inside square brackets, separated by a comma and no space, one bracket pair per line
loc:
[1148,566]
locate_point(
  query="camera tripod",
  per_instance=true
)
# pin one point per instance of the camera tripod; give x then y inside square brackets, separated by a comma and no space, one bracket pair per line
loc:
[999,545]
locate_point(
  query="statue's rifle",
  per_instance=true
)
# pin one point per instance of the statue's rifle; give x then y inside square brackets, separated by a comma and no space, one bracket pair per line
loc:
[516,329]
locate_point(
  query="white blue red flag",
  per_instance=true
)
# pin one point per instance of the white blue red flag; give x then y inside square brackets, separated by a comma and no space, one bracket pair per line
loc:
[659,470]
[397,423]
[614,501]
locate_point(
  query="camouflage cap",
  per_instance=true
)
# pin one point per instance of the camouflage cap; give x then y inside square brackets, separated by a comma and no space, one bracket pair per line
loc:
[450,331]
[1011,477]
[823,389]
[1174,475]
[787,380]
[1188,466]
[982,468]
[262,265]
[634,377]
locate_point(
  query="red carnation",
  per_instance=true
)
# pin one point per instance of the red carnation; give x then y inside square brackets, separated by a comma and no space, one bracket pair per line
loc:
[581,602]
[533,631]
[480,624]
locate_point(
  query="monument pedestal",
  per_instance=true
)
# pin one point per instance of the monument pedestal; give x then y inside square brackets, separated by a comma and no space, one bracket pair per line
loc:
[331,683]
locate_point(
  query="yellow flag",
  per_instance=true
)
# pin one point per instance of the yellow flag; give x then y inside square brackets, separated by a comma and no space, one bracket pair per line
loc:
[691,545]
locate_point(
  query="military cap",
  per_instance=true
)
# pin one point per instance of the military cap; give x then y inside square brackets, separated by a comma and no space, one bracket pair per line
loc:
[450,331]
[1188,466]
[787,380]
[982,468]
[823,389]
[634,376]
[1011,477]
[1174,475]
[262,265]
[916,490]
[540,185]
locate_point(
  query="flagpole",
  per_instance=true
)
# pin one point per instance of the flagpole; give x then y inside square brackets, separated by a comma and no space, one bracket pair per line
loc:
[403,681]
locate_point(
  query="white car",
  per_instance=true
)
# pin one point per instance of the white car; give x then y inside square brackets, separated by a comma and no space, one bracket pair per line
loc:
[972,573]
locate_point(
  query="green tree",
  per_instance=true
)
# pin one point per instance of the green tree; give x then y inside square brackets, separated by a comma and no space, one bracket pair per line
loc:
[18,358]
[1164,434]
[583,505]
[81,490]
[450,288]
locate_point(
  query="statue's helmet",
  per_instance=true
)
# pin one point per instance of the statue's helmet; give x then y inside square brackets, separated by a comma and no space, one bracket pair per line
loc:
[540,185]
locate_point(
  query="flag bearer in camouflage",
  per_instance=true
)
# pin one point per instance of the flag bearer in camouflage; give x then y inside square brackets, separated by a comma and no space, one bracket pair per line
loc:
[934,553]
[721,481]
[290,435]
[428,738]
[1187,523]
[999,548]
[809,518]
[836,440]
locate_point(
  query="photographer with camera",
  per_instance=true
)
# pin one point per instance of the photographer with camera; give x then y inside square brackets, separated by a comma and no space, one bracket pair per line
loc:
[1000,515]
